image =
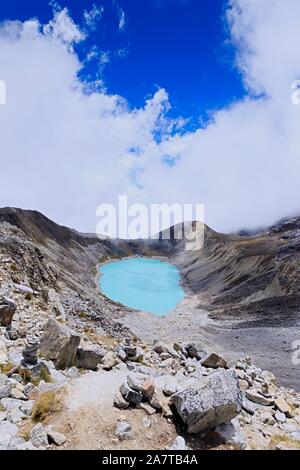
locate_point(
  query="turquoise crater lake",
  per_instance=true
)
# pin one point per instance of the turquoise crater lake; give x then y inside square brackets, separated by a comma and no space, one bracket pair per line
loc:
[142,283]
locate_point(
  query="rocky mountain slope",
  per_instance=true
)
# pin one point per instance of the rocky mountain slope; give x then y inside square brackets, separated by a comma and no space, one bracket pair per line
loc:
[62,341]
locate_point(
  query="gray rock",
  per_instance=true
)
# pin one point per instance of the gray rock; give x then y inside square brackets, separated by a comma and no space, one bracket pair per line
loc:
[267,418]
[251,407]
[130,351]
[109,361]
[7,310]
[215,400]
[5,386]
[282,406]
[296,435]
[147,422]
[159,401]
[17,378]
[194,350]
[147,408]
[120,402]
[135,382]
[165,356]
[29,389]
[130,395]
[15,357]
[23,289]
[90,357]
[16,442]
[256,397]
[7,432]
[59,344]
[25,445]
[15,416]
[124,431]
[55,437]
[178,444]
[38,436]
[280,417]
[17,394]
[178,348]
[171,388]
[138,356]
[214,361]
[160,348]
[57,376]
[9,404]
[231,433]
[268,377]
[122,355]
[73,373]
[26,407]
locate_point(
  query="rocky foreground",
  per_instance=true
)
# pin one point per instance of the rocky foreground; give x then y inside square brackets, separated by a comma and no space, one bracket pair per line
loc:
[205,403]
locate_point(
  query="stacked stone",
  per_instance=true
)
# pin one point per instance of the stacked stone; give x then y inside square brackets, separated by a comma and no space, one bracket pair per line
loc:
[30,352]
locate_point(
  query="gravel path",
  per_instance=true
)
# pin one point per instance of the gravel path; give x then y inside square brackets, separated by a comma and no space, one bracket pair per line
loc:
[95,388]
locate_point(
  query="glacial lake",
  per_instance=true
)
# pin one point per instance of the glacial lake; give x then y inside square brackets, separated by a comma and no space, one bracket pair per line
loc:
[142,283]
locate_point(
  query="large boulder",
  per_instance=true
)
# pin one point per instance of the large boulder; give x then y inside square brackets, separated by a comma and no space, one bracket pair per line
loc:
[7,310]
[89,357]
[215,400]
[59,344]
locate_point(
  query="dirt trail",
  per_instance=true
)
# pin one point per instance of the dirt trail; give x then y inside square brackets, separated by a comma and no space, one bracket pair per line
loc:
[89,418]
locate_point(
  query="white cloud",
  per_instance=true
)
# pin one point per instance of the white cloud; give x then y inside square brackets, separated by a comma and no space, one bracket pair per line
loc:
[68,146]
[104,58]
[122,19]
[62,28]
[92,16]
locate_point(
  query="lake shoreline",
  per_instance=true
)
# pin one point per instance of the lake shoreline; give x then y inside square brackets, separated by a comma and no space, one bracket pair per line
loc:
[158,303]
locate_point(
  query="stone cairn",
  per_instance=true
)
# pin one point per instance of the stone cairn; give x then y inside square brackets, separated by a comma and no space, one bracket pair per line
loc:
[30,352]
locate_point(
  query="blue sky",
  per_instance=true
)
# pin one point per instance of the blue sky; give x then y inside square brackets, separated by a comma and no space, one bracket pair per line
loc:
[178,45]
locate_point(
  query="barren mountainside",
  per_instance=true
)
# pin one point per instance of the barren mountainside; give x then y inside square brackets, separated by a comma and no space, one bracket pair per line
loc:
[230,270]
